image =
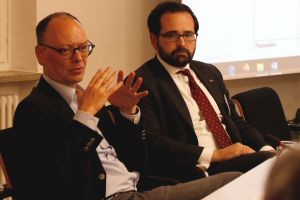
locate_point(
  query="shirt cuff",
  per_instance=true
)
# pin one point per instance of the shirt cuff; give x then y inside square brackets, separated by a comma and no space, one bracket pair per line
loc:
[134,118]
[205,158]
[266,148]
[86,119]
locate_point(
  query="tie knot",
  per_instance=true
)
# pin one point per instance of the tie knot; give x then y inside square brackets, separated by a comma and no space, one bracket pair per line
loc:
[185,72]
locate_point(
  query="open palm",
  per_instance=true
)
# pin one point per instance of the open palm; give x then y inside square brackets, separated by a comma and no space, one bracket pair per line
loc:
[126,97]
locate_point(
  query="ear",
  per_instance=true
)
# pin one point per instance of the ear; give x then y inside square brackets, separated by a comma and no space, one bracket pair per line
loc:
[153,39]
[39,54]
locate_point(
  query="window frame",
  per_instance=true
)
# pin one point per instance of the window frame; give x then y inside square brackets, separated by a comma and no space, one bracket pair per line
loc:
[3,33]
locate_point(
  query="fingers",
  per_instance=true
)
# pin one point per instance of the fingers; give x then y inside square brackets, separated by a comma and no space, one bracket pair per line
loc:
[141,94]
[79,95]
[230,152]
[101,79]
[114,88]
[108,81]
[96,76]
[240,149]
[129,80]
[244,149]
[247,150]
[120,76]
[137,84]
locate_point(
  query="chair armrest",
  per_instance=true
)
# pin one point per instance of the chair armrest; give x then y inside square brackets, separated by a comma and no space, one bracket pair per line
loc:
[5,192]
[294,127]
[203,171]
[239,107]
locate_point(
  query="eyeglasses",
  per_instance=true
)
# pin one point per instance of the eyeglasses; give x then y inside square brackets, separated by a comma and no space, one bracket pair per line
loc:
[67,53]
[174,37]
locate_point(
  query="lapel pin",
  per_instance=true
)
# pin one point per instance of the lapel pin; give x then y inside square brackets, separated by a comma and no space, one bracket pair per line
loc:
[210,80]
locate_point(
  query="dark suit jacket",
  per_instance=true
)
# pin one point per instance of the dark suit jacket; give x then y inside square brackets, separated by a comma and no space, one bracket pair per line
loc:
[56,156]
[168,124]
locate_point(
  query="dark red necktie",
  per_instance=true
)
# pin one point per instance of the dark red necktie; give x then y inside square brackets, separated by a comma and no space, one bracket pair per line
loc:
[208,111]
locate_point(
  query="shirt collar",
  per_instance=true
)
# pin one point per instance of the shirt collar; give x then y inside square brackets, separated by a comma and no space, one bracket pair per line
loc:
[66,92]
[171,69]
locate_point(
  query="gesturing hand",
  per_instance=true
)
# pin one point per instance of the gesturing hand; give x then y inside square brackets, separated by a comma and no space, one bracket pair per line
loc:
[126,97]
[96,93]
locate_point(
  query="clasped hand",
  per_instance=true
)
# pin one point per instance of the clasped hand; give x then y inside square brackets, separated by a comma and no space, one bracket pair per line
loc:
[230,152]
[96,94]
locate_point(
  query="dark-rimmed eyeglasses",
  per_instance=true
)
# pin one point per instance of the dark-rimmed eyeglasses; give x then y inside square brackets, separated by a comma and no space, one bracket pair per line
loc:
[174,37]
[67,53]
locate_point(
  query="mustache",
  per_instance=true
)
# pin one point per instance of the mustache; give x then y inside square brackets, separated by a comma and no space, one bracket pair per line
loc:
[180,49]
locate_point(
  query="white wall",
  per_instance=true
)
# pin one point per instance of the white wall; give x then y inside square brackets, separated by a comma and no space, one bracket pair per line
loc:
[21,33]
[118,29]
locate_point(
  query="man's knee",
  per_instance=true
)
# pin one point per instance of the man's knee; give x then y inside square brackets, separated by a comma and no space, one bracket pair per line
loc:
[226,177]
[264,155]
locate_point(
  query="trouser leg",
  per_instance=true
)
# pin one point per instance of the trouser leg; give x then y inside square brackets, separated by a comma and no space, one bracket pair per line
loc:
[191,190]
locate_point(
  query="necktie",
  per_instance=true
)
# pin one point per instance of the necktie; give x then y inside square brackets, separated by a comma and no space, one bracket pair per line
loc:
[208,111]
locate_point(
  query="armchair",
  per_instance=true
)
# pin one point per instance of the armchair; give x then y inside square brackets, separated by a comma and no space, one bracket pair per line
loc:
[262,108]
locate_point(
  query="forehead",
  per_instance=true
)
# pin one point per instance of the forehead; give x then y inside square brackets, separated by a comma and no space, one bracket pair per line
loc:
[179,21]
[65,31]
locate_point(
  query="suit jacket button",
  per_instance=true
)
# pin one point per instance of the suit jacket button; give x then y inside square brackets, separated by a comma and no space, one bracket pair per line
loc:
[101,177]
[86,149]
[92,140]
[89,144]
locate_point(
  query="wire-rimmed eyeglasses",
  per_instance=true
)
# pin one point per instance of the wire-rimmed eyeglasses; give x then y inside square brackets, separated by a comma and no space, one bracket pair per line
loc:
[67,53]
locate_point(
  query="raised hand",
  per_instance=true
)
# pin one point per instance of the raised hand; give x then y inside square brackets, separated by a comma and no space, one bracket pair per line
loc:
[126,97]
[96,93]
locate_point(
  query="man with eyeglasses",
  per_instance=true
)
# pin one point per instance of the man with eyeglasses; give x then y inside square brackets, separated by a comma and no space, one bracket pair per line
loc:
[66,145]
[190,121]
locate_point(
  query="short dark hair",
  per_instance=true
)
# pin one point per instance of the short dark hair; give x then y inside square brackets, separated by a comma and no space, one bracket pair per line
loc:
[41,28]
[173,7]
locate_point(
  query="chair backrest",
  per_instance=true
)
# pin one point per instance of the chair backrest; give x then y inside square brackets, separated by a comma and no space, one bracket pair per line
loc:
[8,185]
[263,110]
[238,108]
[5,142]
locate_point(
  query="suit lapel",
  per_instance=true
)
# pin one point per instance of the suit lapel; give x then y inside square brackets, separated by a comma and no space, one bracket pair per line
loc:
[211,85]
[105,125]
[171,89]
[65,111]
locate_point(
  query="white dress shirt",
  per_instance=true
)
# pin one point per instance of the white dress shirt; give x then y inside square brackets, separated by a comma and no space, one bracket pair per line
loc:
[118,178]
[204,135]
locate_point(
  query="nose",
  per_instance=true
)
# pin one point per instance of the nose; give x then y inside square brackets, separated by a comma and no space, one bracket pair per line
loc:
[76,55]
[181,41]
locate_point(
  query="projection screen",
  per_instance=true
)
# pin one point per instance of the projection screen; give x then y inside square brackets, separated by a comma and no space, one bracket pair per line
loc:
[248,38]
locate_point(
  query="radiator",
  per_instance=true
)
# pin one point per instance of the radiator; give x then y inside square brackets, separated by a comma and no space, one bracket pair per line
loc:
[8,105]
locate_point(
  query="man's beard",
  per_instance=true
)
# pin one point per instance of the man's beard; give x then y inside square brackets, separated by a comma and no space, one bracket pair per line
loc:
[176,60]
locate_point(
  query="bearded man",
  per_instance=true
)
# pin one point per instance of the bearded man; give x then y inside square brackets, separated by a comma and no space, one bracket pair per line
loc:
[189,119]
